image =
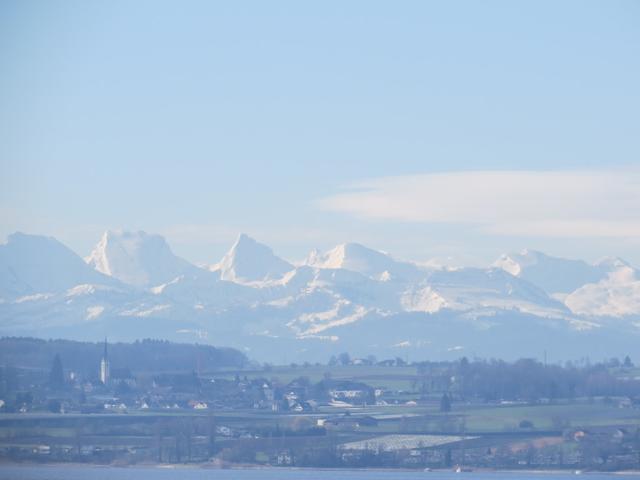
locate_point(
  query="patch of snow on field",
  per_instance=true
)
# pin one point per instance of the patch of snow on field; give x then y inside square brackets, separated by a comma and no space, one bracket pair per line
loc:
[402,442]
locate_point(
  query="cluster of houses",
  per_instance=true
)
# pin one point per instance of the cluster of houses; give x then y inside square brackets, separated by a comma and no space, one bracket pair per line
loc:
[118,390]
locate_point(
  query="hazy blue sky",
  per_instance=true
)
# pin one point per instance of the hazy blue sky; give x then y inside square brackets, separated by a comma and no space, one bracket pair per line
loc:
[307,124]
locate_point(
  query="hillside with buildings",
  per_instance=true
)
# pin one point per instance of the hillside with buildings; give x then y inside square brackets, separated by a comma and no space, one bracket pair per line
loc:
[157,402]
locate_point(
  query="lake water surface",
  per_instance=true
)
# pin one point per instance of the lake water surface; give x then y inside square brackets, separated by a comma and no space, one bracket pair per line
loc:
[151,473]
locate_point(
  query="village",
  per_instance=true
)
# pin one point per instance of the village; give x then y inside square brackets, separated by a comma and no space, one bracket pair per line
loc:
[349,413]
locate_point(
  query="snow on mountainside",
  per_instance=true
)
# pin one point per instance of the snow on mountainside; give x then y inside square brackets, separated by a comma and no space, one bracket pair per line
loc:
[481,291]
[350,296]
[358,258]
[33,264]
[553,274]
[137,258]
[203,289]
[319,299]
[330,298]
[249,261]
[617,295]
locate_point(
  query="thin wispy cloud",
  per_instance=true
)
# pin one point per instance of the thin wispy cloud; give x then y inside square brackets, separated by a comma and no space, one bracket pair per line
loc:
[541,203]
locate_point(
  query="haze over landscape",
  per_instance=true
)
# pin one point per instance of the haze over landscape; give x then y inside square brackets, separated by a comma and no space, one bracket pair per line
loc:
[465,142]
[285,239]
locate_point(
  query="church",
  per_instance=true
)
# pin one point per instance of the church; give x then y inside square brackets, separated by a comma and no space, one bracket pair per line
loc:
[104,365]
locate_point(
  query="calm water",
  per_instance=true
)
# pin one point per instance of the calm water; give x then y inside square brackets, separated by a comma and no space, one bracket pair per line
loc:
[104,473]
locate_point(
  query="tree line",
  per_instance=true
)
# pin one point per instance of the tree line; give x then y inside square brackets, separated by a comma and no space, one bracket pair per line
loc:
[525,379]
[144,355]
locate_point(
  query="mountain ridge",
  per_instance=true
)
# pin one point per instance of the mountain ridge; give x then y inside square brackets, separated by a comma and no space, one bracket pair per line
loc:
[136,258]
[252,297]
[250,261]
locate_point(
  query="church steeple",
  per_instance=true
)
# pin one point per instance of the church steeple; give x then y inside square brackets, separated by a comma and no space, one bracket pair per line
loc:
[104,365]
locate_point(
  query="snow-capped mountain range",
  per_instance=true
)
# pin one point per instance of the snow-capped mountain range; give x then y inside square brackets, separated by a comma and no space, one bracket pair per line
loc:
[351,298]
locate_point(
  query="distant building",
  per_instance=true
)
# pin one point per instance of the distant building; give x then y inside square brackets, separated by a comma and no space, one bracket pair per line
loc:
[198,405]
[285,457]
[120,376]
[347,422]
[104,365]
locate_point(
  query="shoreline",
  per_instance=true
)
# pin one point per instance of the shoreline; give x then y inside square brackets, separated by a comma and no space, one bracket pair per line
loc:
[208,466]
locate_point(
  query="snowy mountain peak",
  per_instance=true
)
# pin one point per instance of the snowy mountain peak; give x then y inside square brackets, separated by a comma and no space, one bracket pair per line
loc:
[351,256]
[555,275]
[137,258]
[509,264]
[35,263]
[515,263]
[244,240]
[612,263]
[364,260]
[313,258]
[617,294]
[250,261]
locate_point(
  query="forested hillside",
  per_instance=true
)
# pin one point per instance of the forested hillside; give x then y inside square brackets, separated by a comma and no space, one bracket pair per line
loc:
[144,355]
